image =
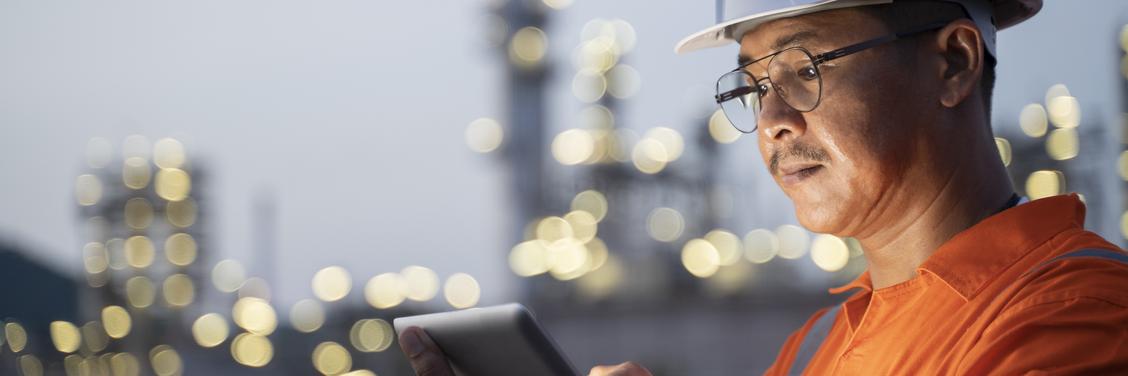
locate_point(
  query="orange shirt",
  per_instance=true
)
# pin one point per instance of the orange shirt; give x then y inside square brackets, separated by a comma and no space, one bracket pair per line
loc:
[973,309]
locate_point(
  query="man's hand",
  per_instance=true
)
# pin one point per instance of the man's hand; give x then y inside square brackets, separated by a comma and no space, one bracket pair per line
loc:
[425,356]
[625,369]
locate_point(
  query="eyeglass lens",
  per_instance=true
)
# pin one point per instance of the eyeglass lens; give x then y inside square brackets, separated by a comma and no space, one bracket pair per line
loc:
[791,75]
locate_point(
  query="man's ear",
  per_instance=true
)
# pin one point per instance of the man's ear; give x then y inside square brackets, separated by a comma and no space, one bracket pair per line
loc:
[960,47]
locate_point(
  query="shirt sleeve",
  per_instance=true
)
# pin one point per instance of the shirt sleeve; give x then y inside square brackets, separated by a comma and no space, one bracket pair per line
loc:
[1065,335]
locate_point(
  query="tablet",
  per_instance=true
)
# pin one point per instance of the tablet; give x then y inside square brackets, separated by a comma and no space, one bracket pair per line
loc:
[492,341]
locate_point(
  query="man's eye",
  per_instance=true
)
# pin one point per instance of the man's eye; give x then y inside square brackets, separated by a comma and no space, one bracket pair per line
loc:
[808,73]
[762,90]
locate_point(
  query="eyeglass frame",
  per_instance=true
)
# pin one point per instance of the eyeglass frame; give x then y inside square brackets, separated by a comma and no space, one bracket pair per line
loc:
[816,60]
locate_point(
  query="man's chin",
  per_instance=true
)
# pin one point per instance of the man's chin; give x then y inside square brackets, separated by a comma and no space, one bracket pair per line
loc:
[816,218]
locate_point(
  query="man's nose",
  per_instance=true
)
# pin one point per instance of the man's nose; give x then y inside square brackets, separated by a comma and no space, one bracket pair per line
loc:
[778,121]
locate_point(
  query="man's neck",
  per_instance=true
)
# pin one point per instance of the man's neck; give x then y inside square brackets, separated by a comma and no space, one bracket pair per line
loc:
[926,219]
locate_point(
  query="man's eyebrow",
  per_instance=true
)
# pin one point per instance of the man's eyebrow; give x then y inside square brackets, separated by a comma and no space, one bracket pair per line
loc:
[781,43]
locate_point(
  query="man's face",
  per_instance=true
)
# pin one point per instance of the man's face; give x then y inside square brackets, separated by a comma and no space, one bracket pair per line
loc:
[841,161]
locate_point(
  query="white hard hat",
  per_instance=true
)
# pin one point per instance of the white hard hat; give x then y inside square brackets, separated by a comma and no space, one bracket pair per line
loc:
[736,17]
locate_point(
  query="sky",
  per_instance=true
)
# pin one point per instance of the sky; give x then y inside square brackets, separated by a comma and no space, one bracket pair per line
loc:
[349,116]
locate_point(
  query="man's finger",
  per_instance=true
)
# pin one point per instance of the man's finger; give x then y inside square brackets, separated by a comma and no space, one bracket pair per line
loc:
[425,356]
[622,369]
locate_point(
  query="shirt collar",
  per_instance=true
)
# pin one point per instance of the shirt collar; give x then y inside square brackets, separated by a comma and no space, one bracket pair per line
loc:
[962,262]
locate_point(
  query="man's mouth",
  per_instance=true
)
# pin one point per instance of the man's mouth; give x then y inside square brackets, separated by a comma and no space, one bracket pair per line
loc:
[798,172]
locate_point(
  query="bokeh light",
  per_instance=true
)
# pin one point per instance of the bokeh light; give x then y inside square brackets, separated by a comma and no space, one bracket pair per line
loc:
[136,173]
[182,213]
[307,316]
[180,249]
[665,224]
[583,224]
[672,142]
[1033,120]
[210,330]
[65,336]
[255,287]
[728,246]
[94,337]
[721,129]
[1124,225]
[829,252]
[597,117]
[125,364]
[422,283]
[88,189]
[649,156]
[528,47]
[140,291]
[173,184]
[371,335]
[484,135]
[331,358]
[1063,144]
[623,81]
[573,146]
[558,4]
[567,259]
[252,350]
[461,290]
[793,241]
[30,365]
[1122,165]
[138,213]
[16,336]
[385,290]
[1045,183]
[168,153]
[254,315]
[116,321]
[1064,111]
[139,252]
[228,275]
[529,258]
[115,247]
[553,229]
[700,258]
[1005,151]
[589,85]
[95,257]
[597,254]
[591,201]
[1057,90]
[165,361]
[179,290]
[332,283]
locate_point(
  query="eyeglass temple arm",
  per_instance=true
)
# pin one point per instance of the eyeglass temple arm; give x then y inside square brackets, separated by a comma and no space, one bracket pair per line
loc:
[828,56]
[722,97]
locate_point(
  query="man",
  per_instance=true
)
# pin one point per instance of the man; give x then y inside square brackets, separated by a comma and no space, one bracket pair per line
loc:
[873,117]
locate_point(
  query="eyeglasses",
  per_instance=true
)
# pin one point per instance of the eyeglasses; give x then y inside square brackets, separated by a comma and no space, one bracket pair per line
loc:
[793,74]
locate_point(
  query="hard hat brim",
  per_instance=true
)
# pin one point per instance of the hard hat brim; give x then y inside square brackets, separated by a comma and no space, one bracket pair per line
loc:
[1007,13]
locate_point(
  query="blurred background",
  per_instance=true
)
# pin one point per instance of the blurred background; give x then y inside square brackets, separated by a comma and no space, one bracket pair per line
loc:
[256,187]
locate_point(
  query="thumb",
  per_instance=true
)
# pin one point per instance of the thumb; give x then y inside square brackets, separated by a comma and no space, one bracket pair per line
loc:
[425,356]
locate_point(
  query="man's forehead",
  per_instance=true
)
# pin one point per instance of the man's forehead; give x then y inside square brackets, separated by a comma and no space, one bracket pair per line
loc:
[809,30]
[782,41]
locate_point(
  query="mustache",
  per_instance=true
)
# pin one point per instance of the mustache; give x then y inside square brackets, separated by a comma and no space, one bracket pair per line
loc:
[798,150]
